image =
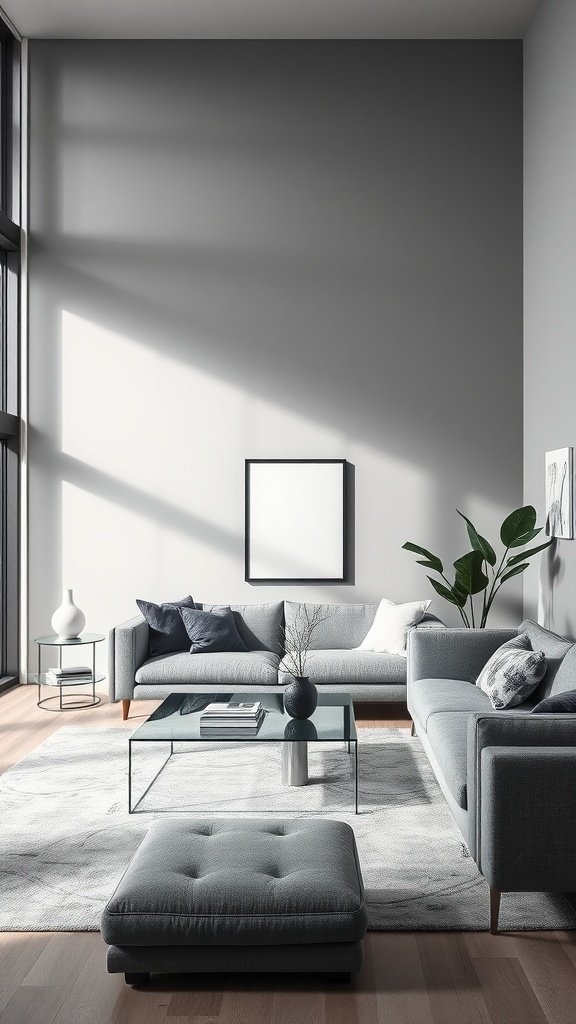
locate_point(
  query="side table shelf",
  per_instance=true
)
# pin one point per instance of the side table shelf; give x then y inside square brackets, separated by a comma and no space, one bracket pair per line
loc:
[79,701]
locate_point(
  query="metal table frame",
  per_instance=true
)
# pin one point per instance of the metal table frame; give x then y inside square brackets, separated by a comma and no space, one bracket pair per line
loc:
[90,700]
[293,753]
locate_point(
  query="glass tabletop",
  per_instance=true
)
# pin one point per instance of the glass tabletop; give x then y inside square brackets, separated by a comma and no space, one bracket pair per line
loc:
[53,640]
[178,718]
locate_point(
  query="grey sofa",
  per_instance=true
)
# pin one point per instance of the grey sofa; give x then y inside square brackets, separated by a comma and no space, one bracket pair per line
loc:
[508,776]
[333,664]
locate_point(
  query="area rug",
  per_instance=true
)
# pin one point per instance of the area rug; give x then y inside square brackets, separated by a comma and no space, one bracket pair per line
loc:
[66,836]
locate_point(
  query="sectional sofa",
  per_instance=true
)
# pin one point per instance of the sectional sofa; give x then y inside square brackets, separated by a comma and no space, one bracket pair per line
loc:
[334,664]
[508,776]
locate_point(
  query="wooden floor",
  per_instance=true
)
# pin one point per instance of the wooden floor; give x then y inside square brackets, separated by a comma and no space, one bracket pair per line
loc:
[408,978]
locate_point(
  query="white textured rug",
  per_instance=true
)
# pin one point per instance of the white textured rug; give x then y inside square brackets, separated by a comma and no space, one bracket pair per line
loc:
[66,836]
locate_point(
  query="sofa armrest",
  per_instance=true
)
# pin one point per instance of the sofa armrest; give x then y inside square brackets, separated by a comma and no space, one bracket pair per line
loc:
[452,653]
[527,818]
[528,741]
[127,650]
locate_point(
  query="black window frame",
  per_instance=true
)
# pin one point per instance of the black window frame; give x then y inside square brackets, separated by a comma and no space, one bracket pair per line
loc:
[10,334]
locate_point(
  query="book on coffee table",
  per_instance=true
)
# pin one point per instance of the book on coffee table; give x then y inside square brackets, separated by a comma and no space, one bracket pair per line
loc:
[242,715]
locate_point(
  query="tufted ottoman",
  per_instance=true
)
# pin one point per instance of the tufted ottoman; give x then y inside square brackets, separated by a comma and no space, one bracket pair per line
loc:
[250,895]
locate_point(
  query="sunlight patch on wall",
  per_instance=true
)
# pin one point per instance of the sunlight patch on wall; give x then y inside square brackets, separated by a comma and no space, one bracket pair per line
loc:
[148,419]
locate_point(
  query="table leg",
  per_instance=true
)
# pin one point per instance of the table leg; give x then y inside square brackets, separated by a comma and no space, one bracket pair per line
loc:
[38,676]
[295,763]
[94,672]
[356,775]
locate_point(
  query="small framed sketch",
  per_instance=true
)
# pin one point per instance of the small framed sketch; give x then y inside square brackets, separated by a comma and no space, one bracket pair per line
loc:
[295,530]
[559,493]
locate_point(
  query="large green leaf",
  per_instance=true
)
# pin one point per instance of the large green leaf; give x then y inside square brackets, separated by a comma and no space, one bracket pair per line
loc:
[431,560]
[525,538]
[517,524]
[514,572]
[469,575]
[460,592]
[478,542]
[448,594]
[528,554]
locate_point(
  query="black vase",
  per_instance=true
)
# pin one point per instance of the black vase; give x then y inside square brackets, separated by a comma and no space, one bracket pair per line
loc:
[300,698]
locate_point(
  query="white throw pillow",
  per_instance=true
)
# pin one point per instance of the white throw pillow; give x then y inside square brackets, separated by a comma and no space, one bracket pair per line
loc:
[389,630]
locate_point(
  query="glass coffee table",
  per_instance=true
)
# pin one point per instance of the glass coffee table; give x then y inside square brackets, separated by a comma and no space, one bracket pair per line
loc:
[177,720]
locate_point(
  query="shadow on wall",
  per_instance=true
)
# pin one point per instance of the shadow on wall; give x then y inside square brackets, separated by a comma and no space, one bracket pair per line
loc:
[287,250]
[552,572]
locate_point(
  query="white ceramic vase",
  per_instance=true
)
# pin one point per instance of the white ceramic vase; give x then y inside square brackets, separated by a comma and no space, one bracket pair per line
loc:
[68,621]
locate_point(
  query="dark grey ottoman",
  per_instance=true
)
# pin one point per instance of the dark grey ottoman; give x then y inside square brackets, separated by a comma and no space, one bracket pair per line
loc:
[250,895]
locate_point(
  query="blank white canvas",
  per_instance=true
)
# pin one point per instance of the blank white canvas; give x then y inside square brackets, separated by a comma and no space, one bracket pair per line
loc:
[296,520]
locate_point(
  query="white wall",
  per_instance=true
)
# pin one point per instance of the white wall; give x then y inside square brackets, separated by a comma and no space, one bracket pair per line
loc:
[550,287]
[268,250]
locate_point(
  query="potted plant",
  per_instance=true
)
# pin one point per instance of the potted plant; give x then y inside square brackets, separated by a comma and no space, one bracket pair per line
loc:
[480,571]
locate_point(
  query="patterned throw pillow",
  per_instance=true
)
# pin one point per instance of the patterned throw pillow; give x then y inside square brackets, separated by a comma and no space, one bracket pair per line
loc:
[512,673]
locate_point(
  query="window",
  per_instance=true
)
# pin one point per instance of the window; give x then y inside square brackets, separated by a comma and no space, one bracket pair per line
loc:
[9,355]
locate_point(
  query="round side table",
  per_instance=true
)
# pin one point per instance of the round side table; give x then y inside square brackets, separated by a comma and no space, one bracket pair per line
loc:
[81,700]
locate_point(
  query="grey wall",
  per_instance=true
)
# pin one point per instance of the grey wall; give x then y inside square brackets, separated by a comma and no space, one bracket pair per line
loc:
[550,287]
[268,250]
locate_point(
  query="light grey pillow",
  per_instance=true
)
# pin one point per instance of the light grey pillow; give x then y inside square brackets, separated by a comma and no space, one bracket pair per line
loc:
[512,673]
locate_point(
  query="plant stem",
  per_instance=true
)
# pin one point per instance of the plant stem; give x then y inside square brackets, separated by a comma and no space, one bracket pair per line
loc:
[493,592]
[463,615]
[472,610]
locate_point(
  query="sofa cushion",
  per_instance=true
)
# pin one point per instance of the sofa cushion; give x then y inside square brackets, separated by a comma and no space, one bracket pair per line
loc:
[435,696]
[555,648]
[343,626]
[558,704]
[513,673]
[259,625]
[253,668]
[166,631]
[448,734]
[251,882]
[212,632]
[351,667]
[391,626]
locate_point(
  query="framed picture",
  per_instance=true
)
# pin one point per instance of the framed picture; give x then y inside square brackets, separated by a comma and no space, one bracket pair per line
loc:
[559,493]
[295,530]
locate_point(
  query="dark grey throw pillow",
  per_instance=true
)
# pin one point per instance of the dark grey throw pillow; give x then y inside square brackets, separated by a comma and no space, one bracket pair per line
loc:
[512,673]
[166,629]
[211,632]
[559,704]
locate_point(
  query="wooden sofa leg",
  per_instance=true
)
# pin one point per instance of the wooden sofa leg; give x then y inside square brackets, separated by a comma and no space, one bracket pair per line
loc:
[412,729]
[125,709]
[495,895]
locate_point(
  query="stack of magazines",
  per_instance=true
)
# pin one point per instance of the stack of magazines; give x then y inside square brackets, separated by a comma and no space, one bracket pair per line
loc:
[234,716]
[69,675]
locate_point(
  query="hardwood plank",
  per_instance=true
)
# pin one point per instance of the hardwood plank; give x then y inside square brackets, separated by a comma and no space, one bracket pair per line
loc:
[146,1005]
[453,987]
[18,954]
[47,984]
[507,991]
[402,995]
[202,997]
[95,995]
[550,972]
[483,944]
[253,1000]
[298,998]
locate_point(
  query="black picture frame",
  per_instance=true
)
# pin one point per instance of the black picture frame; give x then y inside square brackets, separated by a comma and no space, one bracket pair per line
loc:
[270,579]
